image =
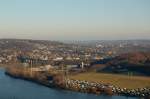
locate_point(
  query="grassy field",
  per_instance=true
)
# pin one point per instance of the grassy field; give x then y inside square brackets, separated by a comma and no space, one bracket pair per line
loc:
[118,80]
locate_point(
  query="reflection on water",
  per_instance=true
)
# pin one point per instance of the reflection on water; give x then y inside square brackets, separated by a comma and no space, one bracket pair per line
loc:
[11,88]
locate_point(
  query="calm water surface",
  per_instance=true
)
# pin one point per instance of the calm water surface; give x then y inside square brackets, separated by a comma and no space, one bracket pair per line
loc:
[11,88]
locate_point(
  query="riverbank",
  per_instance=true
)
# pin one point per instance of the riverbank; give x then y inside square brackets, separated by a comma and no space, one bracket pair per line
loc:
[53,80]
[11,88]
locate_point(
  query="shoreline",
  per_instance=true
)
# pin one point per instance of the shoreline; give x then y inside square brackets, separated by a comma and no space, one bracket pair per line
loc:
[81,86]
[30,80]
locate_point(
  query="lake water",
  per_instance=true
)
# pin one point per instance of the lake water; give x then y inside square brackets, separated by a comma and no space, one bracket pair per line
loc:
[11,88]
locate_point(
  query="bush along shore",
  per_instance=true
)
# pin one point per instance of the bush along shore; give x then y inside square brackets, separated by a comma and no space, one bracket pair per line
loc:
[58,81]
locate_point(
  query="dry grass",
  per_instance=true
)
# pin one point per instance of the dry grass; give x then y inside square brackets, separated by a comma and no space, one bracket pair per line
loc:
[118,80]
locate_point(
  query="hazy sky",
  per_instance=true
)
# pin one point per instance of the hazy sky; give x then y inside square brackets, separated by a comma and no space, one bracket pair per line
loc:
[75,19]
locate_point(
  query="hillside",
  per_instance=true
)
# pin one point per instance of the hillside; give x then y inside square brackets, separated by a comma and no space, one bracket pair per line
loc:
[137,63]
[24,44]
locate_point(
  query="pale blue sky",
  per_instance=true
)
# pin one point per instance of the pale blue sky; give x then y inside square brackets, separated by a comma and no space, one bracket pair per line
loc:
[75,19]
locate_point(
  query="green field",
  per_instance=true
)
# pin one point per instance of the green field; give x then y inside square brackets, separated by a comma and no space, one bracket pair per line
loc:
[123,81]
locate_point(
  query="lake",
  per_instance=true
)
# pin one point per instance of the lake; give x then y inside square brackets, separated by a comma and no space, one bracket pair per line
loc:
[11,88]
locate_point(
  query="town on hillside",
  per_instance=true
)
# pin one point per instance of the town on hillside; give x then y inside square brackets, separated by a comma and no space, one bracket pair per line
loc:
[99,67]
